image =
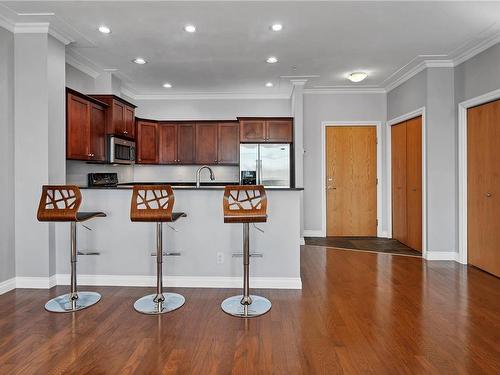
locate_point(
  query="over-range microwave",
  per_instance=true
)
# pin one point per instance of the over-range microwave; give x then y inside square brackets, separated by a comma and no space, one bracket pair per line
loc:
[120,151]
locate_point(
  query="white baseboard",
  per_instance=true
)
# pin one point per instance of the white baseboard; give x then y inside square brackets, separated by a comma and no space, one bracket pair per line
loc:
[36,282]
[184,281]
[442,255]
[7,285]
[313,233]
[302,241]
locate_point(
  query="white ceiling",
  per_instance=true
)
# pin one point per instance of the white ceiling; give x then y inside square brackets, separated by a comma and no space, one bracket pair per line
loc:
[227,54]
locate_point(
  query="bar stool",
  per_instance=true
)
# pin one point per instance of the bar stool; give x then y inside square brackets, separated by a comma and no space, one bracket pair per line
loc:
[154,203]
[245,204]
[61,203]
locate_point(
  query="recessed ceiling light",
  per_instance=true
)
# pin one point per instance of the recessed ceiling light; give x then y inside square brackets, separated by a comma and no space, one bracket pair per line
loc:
[104,29]
[269,84]
[139,60]
[357,76]
[190,28]
[272,60]
[276,27]
[167,85]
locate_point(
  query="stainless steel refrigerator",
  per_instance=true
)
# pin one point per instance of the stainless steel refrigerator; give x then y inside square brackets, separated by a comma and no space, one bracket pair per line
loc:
[265,164]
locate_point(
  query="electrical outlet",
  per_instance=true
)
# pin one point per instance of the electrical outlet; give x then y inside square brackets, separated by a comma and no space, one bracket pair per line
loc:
[220,257]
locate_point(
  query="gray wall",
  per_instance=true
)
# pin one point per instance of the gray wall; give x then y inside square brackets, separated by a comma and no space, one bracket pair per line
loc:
[79,81]
[332,107]
[408,96]
[216,109]
[7,253]
[479,75]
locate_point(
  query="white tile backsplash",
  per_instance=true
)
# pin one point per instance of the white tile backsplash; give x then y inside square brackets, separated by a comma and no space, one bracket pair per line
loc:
[76,172]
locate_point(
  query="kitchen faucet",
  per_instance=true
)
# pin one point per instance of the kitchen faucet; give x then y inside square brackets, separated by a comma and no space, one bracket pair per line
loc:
[198,173]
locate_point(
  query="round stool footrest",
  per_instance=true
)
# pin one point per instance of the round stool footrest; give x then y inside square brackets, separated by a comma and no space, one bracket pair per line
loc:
[62,304]
[233,306]
[147,305]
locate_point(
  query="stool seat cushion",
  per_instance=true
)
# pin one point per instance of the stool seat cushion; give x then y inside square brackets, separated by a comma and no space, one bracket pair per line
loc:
[245,219]
[84,216]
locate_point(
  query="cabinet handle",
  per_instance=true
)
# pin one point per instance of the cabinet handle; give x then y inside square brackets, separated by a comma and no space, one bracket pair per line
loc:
[488,195]
[125,132]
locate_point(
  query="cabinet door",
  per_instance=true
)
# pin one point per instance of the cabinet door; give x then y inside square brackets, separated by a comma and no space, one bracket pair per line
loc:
[78,128]
[206,143]
[118,118]
[229,143]
[399,189]
[129,122]
[167,137]
[279,131]
[252,130]
[414,183]
[147,142]
[186,143]
[97,132]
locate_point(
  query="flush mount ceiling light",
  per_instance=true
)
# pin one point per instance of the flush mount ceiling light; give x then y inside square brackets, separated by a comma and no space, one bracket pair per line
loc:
[139,60]
[190,28]
[167,85]
[272,60]
[104,29]
[276,27]
[357,76]
[269,84]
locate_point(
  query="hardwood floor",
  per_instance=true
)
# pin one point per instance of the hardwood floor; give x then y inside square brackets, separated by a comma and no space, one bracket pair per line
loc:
[358,313]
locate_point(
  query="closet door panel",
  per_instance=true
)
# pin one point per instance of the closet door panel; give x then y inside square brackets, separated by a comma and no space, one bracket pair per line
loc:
[414,183]
[398,155]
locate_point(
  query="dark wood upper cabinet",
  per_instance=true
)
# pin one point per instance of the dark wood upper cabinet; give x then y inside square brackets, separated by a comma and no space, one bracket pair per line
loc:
[186,143]
[85,127]
[147,142]
[279,130]
[252,130]
[129,121]
[206,143]
[228,143]
[167,138]
[120,116]
[262,130]
[97,132]
[78,128]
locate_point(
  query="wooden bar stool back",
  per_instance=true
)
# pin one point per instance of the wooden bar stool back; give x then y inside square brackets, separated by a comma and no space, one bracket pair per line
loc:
[60,203]
[155,203]
[245,204]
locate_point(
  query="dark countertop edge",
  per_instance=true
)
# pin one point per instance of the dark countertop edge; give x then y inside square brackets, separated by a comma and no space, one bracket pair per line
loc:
[182,188]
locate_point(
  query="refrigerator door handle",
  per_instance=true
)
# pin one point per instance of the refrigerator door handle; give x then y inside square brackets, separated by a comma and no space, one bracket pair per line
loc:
[259,171]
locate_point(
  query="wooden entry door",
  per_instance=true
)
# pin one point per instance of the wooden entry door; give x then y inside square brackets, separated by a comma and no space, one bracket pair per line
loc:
[351,180]
[406,150]
[483,187]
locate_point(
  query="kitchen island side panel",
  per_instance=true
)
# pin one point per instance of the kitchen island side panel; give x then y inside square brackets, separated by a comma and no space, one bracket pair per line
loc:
[125,247]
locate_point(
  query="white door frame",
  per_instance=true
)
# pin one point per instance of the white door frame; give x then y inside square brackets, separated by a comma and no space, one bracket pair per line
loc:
[462,167]
[378,127]
[394,121]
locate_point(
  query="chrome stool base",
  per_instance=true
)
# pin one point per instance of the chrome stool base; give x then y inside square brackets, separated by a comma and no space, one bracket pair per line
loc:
[62,304]
[147,305]
[233,306]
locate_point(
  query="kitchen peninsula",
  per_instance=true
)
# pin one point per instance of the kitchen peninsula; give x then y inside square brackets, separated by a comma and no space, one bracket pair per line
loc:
[207,251]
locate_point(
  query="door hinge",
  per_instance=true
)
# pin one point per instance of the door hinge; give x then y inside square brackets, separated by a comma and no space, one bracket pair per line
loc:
[376,221]
[377,181]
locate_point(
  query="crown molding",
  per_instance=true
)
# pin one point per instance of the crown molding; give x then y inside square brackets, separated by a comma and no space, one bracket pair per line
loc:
[346,90]
[7,24]
[76,61]
[476,49]
[31,28]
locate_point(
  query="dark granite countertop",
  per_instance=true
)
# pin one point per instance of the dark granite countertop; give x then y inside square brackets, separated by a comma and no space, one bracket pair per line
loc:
[179,186]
